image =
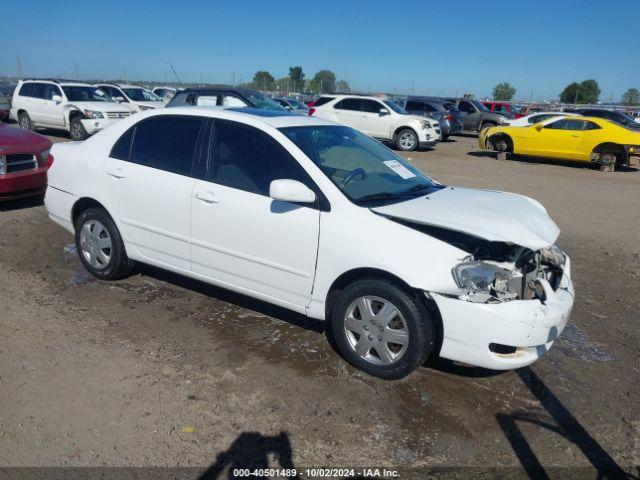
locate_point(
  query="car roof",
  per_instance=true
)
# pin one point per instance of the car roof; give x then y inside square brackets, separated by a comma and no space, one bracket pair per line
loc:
[273,118]
[75,84]
[221,88]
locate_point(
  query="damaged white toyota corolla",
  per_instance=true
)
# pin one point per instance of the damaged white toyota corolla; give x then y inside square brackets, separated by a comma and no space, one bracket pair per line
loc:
[321,219]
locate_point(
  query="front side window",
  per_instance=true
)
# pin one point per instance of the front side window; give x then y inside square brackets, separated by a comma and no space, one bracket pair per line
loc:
[249,160]
[138,94]
[85,94]
[166,142]
[371,106]
[566,124]
[233,101]
[366,171]
[395,107]
[466,107]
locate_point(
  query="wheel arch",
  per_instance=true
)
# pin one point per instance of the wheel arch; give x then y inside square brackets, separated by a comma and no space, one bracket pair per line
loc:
[356,274]
[500,136]
[404,127]
[83,204]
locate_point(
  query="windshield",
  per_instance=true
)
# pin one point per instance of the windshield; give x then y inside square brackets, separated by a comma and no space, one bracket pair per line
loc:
[297,104]
[85,94]
[139,94]
[394,106]
[263,102]
[480,106]
[366,171]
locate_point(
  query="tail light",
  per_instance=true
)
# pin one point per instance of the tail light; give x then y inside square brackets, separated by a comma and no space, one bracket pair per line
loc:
[448,116]
[312,111]
[45,159]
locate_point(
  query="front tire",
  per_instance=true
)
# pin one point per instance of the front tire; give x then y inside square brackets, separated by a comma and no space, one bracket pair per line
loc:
[24,120]
[407,140]
[100,246]
[382,329]
[77,131]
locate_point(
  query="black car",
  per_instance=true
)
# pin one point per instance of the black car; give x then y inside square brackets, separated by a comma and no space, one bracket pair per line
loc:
[223,97]
[614,116]
[444,112]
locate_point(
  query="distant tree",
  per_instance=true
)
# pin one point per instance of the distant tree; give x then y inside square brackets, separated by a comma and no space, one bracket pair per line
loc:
[296,75]
[342,87]
[589,91]
[323,82]
[584,92]
[504,92]
[263,80]
[631,97]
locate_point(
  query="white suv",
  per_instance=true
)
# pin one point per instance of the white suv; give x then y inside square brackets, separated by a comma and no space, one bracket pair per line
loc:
[135,98]
[380,118]
[79,108]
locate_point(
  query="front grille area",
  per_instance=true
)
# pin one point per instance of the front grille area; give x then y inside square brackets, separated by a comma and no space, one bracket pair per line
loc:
[20,161]
[118,114]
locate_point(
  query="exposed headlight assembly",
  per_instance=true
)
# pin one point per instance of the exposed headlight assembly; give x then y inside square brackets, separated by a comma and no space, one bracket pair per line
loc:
[484,282]
[93,114]
[553,255]
[426,125]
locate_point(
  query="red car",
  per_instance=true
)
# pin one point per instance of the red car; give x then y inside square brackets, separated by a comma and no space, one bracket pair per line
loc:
[24,160]
[504,108]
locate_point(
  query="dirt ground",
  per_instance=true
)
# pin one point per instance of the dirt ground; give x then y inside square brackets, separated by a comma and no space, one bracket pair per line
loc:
[159,370]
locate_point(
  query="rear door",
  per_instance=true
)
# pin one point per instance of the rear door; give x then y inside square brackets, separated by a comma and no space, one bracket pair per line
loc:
[349,112]
[241,238]
[149,181]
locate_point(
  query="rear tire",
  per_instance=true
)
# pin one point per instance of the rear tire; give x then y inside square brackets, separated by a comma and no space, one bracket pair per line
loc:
[77,131]
[407,140]
[100,246]
[393,336]
[24,120]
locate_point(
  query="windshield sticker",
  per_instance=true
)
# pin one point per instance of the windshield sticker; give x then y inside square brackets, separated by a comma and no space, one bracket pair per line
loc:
[400,169]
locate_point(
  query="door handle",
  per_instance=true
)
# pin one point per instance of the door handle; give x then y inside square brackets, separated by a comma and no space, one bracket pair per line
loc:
[206,197]
[116,173]
[575,135]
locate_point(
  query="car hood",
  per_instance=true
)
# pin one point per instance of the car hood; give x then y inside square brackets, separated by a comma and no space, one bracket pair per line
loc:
[100,106]
[494,216]
[17,140]
[152,104]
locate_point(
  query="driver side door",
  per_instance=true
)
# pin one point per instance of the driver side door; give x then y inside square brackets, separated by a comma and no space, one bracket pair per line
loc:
[375,123]
[240,237]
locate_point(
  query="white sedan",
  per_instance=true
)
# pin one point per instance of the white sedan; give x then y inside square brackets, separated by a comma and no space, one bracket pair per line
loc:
[534,118]
[323,220]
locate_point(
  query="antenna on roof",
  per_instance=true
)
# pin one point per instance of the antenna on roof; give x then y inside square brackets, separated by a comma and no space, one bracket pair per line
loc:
[176,74]
[19,67]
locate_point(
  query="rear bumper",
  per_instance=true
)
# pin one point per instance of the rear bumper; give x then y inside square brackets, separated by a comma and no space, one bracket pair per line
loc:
[529,325]
[59,205]
[23,184]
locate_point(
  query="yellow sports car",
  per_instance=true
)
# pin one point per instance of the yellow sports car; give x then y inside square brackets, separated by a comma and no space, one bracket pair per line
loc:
[584,139]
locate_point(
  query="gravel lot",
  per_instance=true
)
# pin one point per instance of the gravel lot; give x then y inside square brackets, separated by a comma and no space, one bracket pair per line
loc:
[165,371]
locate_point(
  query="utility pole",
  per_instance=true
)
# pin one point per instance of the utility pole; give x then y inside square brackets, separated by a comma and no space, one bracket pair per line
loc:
[124,71]
[165,77]
[320,86]
[233,78]
[20,74]
[75,64]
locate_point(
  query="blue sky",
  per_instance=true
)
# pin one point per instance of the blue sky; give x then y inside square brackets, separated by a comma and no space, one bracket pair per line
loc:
[420,46]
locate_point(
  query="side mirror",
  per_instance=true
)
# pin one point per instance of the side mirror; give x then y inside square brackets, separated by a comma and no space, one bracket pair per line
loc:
[384,111]
[288,107]
[56,98]
[291,191]
[539,127]
[118,99]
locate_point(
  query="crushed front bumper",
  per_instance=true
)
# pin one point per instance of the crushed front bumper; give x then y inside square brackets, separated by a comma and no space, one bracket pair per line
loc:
[93,125]
[531,326]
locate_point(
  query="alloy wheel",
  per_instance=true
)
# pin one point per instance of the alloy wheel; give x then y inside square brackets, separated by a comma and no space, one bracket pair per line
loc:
[407,140]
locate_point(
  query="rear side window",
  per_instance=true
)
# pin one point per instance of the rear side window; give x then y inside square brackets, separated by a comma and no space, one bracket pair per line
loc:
[26,90]
[122,148]
[414,106]
[591,126]
[565,124]
[166,143]
[247,159]
[349,104]
[322,101]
